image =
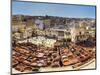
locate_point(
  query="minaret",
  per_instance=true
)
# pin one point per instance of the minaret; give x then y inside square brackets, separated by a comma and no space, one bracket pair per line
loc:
[73,32]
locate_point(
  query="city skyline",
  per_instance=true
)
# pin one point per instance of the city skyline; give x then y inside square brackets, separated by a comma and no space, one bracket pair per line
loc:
[51,9]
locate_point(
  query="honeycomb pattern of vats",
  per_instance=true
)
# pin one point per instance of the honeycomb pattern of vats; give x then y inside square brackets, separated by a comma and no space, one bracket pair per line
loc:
[28,57]
[76,55]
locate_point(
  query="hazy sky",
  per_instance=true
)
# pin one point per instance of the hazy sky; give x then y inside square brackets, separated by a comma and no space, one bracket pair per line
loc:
[63,10]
